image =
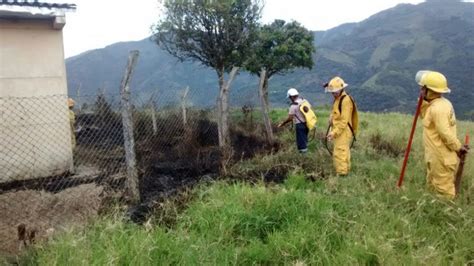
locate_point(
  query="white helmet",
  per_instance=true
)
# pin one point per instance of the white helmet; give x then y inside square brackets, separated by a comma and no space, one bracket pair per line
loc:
[292,92]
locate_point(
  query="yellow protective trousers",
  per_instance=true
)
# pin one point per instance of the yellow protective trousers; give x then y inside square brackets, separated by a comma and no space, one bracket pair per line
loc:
[441,145]
[440,176]
[341,155]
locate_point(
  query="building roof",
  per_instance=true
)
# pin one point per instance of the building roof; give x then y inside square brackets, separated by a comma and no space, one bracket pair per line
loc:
[33,9]
[37,4]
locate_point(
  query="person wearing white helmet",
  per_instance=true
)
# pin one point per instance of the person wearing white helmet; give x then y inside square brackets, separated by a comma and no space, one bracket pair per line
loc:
[343,123]
[442,146]
[296,116]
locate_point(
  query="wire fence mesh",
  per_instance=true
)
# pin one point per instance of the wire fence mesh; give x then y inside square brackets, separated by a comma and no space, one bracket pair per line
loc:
[61,166]
[53,162]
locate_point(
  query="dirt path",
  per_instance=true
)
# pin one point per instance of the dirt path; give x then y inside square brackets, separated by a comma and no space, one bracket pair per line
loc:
[45,212]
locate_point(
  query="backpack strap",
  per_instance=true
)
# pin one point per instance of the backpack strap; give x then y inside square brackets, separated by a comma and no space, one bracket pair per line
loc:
[298,110]
[340,103]
[340,110]
[352,130]
[298,119]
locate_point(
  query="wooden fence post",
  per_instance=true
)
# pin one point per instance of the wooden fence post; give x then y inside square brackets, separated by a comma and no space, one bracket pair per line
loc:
[152,105]
[153,117]
[183,106]
[78,97]
[131,190]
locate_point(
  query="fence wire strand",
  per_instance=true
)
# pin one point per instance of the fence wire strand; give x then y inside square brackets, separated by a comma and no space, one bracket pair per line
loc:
[56,171]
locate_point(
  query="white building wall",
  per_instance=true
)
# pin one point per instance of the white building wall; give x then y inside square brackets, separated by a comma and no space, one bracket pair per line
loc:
[35,138]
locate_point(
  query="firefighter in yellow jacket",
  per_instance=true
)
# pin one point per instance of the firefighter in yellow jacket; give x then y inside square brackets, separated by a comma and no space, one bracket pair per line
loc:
[72,121]
[442,146]
[344,123]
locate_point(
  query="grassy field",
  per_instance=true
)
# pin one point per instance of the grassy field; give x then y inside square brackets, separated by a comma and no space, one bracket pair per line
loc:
[360,219]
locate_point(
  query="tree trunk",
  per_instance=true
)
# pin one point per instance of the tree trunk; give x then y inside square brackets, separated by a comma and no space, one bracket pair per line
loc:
[263,93]
[220,130]
[223,115]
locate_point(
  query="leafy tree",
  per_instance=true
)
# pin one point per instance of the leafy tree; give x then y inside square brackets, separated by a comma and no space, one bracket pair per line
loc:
[280,48]
[218,34]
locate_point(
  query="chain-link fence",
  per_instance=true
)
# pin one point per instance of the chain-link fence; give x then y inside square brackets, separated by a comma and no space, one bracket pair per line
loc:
[62,166]
[52,169]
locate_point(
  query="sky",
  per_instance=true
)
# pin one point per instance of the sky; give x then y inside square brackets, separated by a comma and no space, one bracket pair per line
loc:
[98,23]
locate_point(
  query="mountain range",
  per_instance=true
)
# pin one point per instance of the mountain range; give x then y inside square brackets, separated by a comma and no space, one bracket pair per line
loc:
[378,57]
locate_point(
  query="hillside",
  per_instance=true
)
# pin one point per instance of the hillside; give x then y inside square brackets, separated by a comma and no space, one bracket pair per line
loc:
[378,57]
[381,54]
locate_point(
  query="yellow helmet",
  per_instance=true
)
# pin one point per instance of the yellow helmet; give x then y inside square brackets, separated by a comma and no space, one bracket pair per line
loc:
[433,80]
[70,102]
[335,84]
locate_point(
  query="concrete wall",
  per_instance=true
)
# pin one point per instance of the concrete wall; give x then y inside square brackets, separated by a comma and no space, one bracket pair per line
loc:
[35,138]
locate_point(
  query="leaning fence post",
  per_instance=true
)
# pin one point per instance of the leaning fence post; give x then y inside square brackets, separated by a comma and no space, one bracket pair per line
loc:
[78,97]
[131,190]
[152,106]
[153,117]
[183,106]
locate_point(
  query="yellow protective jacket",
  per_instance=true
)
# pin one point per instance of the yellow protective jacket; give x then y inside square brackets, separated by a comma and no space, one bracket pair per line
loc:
[343,114]
[72,122]
[441,144]
[347,115]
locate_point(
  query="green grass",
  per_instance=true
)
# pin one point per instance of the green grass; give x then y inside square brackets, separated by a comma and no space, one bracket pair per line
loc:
[361,219]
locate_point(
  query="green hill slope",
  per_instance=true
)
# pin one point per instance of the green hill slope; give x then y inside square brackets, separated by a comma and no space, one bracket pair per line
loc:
[378,57]
[382,53]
